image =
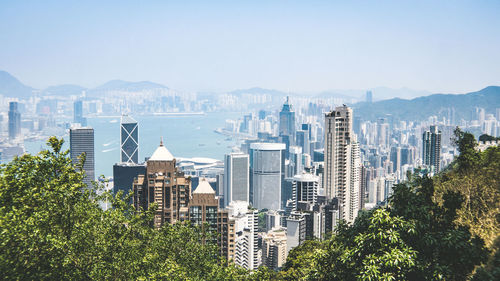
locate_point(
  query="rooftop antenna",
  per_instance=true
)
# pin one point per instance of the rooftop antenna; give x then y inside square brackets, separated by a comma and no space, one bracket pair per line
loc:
[161,141]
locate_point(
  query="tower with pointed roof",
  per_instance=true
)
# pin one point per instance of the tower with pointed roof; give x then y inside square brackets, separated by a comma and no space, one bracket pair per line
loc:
[287,122]
[163,184]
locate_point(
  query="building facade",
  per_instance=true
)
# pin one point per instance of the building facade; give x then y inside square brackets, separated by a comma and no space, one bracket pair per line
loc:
[287,122]
[14,120]
[81,142]
[236,178]
[129,140]
[267,166]
[342,162]
[163,184]
[431,148]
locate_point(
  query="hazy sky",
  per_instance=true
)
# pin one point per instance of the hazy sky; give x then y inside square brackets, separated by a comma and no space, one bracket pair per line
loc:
[441,46]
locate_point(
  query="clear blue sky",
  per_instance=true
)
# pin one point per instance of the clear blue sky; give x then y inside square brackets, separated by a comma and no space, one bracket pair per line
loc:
[441,46]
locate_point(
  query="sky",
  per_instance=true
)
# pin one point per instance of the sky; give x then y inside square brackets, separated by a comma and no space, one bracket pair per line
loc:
[296,46]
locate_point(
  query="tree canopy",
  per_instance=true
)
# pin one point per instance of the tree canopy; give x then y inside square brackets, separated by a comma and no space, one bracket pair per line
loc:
[440,228]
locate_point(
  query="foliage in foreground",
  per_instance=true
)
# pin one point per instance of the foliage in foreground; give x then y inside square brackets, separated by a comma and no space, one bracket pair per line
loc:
[433,229]
[52,228]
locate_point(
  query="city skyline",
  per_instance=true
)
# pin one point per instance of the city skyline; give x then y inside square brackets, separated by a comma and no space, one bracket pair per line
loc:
[221,46]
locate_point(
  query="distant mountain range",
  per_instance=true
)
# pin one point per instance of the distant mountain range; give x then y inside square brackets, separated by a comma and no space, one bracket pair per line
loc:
[120,85]
[11,87]
[423,107]
[403,109]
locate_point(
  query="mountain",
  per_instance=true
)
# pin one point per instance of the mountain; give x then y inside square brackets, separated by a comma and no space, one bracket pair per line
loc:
[11,87]
[423,107]
[62,90]
[120,85]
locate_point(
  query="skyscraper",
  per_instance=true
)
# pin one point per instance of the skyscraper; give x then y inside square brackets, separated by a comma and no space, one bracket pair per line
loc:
[236,178]
[342,162]
[369,96]
[267,166]
[78,113]
[431,148]
[81,141]
[163,184]
[129,135]
[14,120]
[287,122]
[305,189]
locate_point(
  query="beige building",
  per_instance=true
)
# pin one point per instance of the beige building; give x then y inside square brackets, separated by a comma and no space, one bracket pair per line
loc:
[342,162]
[165,185]
[274,248]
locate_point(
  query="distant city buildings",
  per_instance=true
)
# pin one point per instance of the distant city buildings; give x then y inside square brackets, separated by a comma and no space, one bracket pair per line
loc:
[78,113]
[287,123]
[14,120]
[82,145]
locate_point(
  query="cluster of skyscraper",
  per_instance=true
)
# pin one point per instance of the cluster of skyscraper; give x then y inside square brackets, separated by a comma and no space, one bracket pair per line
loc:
[301,182]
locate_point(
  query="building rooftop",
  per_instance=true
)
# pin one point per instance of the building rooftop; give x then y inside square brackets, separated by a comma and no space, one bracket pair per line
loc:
[204,188]
[161,154]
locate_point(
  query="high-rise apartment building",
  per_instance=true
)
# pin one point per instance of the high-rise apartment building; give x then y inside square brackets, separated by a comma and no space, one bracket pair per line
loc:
[274,251]
[431,148]
[305,189]
[236,178]
[267,166]
[14,120]
[246,241]
[163,184]
[81,142]
[287,122]
[342,162]
[129,144]
[295,230]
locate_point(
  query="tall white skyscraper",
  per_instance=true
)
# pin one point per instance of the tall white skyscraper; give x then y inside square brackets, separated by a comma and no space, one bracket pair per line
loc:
[267,163]
[342,162]
[236,178]
[81,141]
[129,135]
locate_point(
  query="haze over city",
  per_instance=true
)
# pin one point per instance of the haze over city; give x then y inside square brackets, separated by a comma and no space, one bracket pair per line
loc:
[292,46]
[263,140]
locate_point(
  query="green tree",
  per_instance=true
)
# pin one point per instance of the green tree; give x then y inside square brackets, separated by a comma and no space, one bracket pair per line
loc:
[52,228]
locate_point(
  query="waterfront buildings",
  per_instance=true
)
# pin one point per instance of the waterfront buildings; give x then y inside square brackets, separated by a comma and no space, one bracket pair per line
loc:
[81,142]
[129,136]
[14,120]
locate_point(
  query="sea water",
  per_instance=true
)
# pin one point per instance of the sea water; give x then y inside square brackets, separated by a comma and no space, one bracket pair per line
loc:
[184,136]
